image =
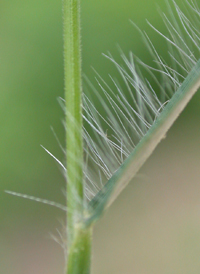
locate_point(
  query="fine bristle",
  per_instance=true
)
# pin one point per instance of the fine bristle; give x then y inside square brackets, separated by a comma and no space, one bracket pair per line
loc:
[124,116]
[127,109]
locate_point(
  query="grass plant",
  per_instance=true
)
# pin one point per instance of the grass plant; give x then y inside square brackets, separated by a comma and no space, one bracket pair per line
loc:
[136,126]
[105,150]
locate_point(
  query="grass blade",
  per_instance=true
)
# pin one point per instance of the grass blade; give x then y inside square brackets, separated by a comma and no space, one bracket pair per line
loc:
[146,146]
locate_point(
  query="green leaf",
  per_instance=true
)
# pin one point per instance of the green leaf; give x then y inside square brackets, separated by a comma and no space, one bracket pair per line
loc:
[145,147]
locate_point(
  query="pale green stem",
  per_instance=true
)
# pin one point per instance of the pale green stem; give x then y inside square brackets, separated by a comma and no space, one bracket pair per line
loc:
[72,64]
[78,238]
[79,257]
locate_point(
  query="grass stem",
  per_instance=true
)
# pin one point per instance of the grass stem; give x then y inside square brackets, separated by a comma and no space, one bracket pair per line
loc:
[78,238]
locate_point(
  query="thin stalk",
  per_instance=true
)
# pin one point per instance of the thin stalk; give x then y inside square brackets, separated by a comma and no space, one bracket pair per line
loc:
[72,65]
[78,238]
[79,258]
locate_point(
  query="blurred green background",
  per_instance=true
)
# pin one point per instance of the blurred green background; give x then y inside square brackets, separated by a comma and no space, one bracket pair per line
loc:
[154,226]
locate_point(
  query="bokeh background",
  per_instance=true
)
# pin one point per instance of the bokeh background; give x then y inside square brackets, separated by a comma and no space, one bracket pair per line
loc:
[154,226]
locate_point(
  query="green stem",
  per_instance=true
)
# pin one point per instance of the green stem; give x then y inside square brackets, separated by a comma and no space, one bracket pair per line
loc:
[78,239]
[80,252]
[72,64]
